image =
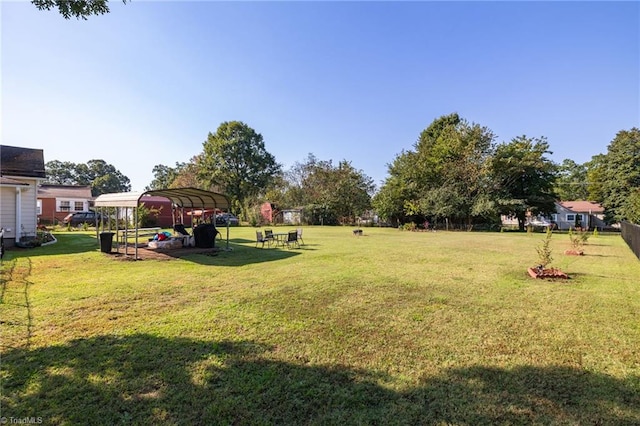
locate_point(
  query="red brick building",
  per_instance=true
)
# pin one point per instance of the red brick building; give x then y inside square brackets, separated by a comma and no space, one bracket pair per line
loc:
[165,214]
[57,201]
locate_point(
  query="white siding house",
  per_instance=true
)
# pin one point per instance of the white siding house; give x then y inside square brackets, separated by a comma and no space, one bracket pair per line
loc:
[21,170]
[586,213]
[568,213]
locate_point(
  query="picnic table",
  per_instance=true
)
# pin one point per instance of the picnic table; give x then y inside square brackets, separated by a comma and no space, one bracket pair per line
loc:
[124,233]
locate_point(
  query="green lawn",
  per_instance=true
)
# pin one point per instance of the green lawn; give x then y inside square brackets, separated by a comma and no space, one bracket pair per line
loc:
[389,328]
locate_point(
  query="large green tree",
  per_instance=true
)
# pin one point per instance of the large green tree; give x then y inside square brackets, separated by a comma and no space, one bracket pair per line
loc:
[460,153]
[61,172]
[398,189]
[102,177]
[235,160]
[631,208]
[444,177]
[163,177]
[80,9]
[596,188]
[187,175]
[180,176]
[330,193]
[571,182]
[351,192]
[524,178]
[306,182]
[621,174]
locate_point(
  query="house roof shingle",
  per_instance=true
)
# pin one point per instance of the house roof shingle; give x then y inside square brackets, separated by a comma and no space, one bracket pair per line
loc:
[9,181]
[583,206]
[21,162]
[64,191]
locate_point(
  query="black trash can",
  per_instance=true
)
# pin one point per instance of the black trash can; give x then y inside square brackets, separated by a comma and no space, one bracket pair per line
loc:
[205,235]
[106,240]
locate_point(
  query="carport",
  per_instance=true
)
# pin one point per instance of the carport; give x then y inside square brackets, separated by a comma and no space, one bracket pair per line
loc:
[181,199]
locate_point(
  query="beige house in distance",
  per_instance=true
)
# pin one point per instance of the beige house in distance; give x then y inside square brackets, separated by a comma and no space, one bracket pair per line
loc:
[589,214]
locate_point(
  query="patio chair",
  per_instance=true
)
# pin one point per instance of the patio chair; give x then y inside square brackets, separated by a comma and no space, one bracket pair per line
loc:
[268,234]
[188,240]
[292,239]
[261,239]
[299,231]
[180,229]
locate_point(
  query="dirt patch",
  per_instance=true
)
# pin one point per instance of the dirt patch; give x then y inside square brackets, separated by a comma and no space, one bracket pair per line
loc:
[145,253]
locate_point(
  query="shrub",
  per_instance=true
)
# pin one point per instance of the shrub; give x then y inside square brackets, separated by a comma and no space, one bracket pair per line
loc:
[544,251]
[578,238]
[148,216]
[411,226]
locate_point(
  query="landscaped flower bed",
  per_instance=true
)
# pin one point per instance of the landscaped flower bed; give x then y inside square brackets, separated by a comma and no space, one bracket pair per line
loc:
[554,273]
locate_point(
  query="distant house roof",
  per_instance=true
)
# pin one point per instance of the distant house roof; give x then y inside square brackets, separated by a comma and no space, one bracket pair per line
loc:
[64,191]
[582,206]
[21,162]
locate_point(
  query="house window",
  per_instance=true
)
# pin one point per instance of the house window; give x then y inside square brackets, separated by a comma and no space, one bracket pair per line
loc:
[554,217]
[78,206]
[65,206]
[573,217]
[39,207]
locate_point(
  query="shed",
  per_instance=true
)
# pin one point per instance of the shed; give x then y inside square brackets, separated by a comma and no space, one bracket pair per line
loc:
[182,198]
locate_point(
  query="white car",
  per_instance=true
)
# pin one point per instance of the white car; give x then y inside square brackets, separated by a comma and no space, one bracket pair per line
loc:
[539,222]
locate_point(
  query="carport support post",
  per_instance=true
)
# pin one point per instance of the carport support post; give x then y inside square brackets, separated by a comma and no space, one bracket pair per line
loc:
[228,249]
[135,223]
[98,226]
[125,236]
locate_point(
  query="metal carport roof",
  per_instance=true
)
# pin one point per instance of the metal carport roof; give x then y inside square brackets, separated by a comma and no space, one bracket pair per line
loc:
[181,197]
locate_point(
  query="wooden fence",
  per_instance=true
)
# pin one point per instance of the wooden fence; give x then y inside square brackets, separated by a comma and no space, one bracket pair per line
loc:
[631,235]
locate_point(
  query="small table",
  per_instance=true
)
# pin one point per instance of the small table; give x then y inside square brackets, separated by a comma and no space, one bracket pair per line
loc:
[280,238]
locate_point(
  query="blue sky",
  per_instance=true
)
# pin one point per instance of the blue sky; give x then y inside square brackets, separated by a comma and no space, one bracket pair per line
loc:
[145,84]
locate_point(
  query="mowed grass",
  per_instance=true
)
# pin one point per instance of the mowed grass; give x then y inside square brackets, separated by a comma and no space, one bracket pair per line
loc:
[389,328]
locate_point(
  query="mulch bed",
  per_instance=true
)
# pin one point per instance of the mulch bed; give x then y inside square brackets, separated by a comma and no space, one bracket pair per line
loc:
[145,253]
[551,273]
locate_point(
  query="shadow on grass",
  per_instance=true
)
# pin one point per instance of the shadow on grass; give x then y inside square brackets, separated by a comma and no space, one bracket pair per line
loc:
[68,243]
[242,251]
[240,255]
[245,254]
[144,379]
[221,255]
